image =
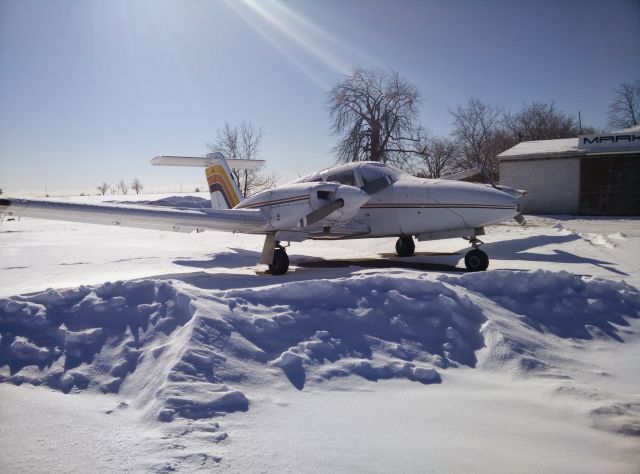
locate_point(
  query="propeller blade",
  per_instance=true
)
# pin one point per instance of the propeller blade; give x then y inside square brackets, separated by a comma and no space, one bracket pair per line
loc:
[520,219]
[376,185]
[321,213]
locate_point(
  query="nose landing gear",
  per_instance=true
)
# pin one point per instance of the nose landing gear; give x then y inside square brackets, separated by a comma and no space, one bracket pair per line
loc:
[476,260]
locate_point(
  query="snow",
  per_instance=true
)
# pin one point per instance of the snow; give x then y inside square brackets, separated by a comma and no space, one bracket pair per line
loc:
[560,146]
[127,350]
[635,129]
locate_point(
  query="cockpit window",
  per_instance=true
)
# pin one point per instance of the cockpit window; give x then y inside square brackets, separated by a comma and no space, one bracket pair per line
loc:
[397,172]
[371,173]
[346,177]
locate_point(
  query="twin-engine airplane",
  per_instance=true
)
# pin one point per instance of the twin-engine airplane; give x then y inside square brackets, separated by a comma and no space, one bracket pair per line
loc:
[351,201]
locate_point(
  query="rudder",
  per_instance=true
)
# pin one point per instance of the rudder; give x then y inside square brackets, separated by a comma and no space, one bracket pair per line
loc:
[223,188]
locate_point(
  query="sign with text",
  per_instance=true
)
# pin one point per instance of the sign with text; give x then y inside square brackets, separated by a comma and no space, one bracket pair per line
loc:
[610,142]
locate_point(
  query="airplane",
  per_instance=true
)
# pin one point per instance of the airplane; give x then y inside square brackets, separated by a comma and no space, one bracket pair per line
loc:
[350,201]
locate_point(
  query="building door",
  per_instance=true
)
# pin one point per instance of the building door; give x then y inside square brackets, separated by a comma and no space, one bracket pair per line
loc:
[610,185]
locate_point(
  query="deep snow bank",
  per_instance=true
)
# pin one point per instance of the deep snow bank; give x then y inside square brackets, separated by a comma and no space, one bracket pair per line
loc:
[564,304]
[178,350]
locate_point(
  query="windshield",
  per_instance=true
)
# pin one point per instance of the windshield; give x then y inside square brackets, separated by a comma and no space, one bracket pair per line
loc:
[373,171]
[346,177]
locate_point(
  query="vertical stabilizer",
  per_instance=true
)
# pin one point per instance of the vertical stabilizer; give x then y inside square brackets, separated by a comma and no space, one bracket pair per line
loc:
[223,188]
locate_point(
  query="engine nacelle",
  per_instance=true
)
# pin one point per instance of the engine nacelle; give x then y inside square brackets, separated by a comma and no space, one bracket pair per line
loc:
[288,207]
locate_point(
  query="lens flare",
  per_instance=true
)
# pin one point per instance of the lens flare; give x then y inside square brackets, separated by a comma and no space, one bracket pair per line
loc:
[298,39]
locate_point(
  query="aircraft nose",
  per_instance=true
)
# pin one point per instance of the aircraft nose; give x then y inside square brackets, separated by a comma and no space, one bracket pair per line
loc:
[478,205]
[505,205]
[499,198]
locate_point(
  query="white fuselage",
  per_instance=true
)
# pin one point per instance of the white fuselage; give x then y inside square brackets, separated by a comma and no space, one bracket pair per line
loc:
[406,206]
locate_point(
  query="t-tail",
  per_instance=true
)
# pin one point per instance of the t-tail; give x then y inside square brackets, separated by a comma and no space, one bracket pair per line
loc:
[223,187]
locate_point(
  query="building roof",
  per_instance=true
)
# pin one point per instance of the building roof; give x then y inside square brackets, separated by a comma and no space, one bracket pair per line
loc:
[635,129]
[562,146]
[621,141]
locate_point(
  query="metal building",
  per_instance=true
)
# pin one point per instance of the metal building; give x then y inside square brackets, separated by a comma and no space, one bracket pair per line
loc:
[591,174]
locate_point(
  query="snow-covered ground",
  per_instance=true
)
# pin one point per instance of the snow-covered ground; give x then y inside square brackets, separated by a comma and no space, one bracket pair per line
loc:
[133,350]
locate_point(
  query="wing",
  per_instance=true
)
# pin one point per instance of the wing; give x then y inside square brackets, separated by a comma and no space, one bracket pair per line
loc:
[229,220]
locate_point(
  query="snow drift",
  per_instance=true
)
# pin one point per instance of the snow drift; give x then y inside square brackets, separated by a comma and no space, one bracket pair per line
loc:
[177,350]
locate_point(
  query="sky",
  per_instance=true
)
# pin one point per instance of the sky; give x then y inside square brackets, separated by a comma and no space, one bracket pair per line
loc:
[91,90]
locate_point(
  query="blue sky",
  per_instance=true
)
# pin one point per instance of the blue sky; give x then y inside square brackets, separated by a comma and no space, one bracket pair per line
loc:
[91,90]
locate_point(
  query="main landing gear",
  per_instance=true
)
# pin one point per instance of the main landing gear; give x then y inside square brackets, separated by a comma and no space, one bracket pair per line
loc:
[274,255]
[280,262]
[405,247]
[476,260]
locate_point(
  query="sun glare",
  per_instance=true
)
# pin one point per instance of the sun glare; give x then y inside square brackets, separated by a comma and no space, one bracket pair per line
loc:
[291,34]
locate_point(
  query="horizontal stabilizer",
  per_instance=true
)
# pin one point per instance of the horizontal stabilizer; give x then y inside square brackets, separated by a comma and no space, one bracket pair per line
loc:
[204,161]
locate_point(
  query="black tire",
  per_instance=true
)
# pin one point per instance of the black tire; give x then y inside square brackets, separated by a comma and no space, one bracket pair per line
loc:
[280,263]
[405,247]
[476,260]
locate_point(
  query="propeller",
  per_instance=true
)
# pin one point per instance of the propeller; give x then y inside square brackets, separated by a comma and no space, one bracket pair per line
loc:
[321,213]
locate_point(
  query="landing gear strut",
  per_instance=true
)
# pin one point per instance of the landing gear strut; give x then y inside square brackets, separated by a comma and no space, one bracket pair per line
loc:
[476,260]
[405,247]
[274,255]
[280,263]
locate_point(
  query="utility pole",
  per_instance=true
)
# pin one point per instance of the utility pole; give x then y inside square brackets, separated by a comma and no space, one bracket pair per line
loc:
[579,123]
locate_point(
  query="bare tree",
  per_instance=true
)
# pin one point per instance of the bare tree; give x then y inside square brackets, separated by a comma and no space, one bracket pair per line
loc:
[373,114]
[103,188]
[437,156]
[123,187]
[624,111]
[480,138]
[242,142]
[540,121]
[136,185]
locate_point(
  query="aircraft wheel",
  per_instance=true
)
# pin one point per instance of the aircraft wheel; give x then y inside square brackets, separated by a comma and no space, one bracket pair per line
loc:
[476,260]
[405,247]
[280,263]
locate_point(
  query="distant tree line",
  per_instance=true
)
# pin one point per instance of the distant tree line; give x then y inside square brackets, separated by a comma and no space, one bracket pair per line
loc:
[121,187]
[374,117]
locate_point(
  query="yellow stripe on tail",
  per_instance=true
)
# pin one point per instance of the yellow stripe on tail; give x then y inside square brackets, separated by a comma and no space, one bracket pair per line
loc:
[222,187]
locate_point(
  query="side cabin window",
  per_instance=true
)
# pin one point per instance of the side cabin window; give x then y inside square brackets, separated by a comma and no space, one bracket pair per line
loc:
[346,177]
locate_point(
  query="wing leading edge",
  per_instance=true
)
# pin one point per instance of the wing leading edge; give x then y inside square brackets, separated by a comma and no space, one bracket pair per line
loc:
[227,220]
